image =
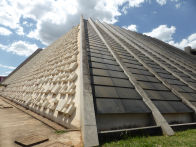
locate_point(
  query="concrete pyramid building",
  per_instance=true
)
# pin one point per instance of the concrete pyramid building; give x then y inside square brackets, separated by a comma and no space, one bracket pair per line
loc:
[106,80]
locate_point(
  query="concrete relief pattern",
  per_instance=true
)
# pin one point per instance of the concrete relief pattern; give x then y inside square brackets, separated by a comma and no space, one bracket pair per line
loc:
[47,83]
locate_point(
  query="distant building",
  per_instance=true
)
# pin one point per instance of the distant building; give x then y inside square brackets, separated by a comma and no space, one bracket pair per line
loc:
[190,51]
[2,78]
[105,81]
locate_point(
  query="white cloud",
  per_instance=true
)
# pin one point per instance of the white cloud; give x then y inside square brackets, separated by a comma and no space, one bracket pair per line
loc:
[9,16]
[8,67]
[20,31]
[178,5]
[5,73]
[189,41]
[161,2]
[131,27]
[4,31]
[55,17]
[192,37]
[20,48]
[162,32]
[2,46]
[135,3]
[165,33]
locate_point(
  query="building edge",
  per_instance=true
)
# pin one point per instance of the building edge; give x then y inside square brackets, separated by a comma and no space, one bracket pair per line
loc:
[87,119]
[23,63]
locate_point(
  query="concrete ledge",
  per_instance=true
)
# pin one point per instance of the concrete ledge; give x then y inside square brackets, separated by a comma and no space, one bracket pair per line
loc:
[182,127]
[105,136]
[112,135]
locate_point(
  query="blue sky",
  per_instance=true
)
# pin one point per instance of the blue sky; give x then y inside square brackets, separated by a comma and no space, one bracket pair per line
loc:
[28,25]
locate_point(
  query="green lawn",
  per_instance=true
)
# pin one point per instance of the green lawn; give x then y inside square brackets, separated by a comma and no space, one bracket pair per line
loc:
[180,139]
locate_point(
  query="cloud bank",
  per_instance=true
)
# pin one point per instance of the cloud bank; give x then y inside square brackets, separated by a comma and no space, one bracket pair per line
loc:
[131,27]
[20,48]
[55,17]
[165,33]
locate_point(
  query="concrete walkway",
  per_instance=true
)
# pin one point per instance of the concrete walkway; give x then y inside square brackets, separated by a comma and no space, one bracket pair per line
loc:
[15,123]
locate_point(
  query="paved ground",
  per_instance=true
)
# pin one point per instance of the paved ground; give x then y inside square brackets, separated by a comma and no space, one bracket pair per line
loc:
[15,123]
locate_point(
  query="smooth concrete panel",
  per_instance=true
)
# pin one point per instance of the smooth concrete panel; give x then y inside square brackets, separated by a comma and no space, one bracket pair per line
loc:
[178,118]
[123,121]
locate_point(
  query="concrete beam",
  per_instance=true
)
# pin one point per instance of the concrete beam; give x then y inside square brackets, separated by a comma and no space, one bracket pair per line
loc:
[88,121]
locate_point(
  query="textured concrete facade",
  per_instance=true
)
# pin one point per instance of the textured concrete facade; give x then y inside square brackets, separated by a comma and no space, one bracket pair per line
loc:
[102,78]
[47,83]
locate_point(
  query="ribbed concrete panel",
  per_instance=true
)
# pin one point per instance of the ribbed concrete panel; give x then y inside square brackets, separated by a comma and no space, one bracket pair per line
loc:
[114,94]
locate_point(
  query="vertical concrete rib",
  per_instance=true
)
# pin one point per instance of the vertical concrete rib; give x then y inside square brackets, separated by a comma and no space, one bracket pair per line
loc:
[154,59]
[169,86]
[159,119]
[173,60]
[181,60]
[88,121]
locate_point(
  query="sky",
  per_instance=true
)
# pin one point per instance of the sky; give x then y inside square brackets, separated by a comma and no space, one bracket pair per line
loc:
[28,25]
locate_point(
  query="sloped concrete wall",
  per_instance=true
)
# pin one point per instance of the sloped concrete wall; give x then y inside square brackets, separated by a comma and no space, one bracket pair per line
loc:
[47,83]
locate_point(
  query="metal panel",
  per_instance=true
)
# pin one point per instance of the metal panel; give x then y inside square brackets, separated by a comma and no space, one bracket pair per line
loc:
[130,61]
[141,72]
[193,83]
[101,60]
[97,51]
[127,93]
[114,106]
[105,66]
[103,91]
[174,82]
[183,88]
[190,96]
[97,46]
[161,95]
[160,70]
[154,65]
[102,81]
[122,82]
[152,86]
[167,76]
[108,81]
[117,74]
[127,57]
[181,74]
[146,78]
[129,65]
[101,56]
[116,92]
[100,72]
[172,107]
